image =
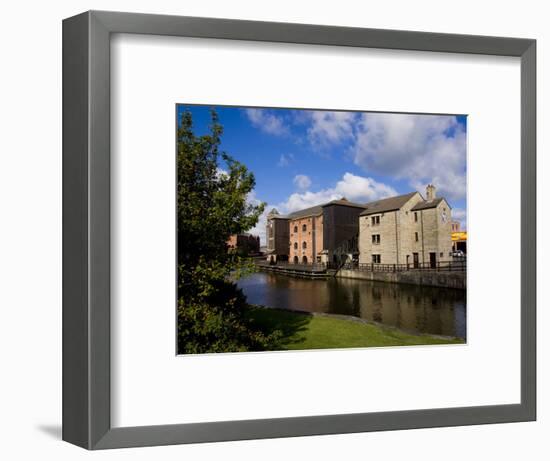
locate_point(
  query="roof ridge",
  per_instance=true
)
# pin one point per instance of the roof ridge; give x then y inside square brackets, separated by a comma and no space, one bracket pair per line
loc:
[391,198]
[387,204]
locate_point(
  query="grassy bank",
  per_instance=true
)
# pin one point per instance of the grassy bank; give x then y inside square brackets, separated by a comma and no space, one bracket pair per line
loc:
[305,331]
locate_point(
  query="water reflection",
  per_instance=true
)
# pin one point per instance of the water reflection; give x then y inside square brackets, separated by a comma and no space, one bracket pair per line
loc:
[422,309]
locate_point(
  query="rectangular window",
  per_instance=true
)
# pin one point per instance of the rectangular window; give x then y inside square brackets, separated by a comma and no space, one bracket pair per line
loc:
[375,220]
[415,216]
[376,239]
[416,236]
[376,259]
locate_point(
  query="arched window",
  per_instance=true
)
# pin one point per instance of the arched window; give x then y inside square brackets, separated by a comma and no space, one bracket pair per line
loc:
[304,227]
[304,245]
[295,245]
[304,259]
[295,259]
[295,228]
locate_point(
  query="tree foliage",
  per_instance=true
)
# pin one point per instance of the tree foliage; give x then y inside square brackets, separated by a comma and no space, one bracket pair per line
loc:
[212,204]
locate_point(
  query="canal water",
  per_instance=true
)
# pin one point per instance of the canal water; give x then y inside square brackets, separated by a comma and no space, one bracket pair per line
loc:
[420,309]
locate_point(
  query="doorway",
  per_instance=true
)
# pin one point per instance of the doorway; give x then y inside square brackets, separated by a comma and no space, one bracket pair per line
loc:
[415,260]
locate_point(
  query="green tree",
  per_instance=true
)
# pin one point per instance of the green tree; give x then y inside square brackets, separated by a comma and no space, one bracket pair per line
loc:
[212,205]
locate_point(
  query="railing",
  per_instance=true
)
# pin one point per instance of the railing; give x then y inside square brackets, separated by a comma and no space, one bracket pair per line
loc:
[440,266]
[457,265]
[294,266]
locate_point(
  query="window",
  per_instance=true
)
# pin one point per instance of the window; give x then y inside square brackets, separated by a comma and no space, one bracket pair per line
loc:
[304,227]
[416,236]
[304,245]
[441,255]
[376,239]
[375,220]
[376,259]
[295,228]
[295,245]
[415,216]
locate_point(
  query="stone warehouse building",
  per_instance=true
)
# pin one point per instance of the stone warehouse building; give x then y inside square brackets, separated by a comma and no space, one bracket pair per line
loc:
[406,229]
[318,234]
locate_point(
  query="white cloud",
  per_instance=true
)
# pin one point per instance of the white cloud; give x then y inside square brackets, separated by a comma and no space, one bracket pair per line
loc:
[328,128]
[267,121]
[259,229]
[285,160]
[417,148]
[354,188]
[301,181]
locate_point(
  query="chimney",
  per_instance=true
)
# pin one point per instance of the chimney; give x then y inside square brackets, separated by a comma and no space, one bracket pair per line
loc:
[430,192]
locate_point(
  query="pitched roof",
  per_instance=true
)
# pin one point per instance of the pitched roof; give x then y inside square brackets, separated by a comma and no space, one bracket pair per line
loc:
[312,211]
[387,204]
[344,202]
[427,204]
[317,210]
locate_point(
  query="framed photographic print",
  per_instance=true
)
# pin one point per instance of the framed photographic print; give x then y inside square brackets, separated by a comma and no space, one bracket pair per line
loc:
[275,230]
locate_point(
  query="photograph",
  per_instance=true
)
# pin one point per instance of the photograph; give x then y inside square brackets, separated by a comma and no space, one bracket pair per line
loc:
[302,229]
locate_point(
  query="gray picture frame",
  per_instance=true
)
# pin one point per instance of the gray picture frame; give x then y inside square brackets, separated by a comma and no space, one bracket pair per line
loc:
[86,229]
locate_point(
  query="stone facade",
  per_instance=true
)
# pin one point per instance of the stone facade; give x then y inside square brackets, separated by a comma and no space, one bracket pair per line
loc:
[406,230]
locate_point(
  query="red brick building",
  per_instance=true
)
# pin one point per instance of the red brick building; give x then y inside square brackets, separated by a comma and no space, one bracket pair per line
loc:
[244,244]
[324,233]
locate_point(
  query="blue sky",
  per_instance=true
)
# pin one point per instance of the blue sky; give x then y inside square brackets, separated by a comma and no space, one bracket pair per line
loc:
[302,158]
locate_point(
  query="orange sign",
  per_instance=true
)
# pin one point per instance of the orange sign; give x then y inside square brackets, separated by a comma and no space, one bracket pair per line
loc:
[459,236]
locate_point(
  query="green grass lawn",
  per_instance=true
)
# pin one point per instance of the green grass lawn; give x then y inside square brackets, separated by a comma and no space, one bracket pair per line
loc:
[306,331]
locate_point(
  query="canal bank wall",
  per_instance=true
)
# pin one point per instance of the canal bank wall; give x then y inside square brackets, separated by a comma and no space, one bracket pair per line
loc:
[429,278]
